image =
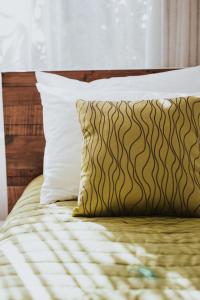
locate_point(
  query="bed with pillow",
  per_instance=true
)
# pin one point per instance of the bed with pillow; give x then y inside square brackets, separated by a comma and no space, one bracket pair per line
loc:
[127,149]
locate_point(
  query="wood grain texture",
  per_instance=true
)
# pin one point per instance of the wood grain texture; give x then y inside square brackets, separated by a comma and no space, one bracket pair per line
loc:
[14,192]
[23,114]
[23,123]
[24,129]
[21,96]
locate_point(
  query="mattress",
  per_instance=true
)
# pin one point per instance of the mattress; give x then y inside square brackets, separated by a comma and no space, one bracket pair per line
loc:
[47,254]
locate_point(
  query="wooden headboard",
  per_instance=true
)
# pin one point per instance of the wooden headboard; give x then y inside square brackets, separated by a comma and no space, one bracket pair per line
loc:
[23,124]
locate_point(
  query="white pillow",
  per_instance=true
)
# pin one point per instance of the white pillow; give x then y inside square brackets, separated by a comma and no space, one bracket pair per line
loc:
[184,80]
[62,131]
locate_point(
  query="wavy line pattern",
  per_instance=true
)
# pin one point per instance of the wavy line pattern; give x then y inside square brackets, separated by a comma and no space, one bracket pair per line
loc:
[140,158]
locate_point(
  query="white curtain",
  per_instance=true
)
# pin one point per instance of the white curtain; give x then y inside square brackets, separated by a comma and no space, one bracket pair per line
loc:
[98,34]
[173,34]
[71,34]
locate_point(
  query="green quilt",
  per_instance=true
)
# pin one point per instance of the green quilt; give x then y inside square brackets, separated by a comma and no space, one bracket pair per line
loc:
[47,254]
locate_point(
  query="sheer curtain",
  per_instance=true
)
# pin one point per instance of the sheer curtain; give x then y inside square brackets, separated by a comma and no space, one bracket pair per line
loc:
[100,34]
[72,34]
[173,34]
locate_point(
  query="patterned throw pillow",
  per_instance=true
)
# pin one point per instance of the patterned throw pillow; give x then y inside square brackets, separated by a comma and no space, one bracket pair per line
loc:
[140,158]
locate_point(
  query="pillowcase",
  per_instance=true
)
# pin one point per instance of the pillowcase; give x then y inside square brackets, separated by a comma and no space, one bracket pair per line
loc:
[184,80]
[140,158]
[62,129]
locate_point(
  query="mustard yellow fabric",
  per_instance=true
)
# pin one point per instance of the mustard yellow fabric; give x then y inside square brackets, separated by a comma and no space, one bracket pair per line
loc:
[47,254]
[140,158]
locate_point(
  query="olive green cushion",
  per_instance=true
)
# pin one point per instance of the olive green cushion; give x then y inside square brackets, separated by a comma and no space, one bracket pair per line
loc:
[140,158]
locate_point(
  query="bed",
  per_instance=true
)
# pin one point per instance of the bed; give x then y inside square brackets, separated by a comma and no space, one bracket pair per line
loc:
[45,253]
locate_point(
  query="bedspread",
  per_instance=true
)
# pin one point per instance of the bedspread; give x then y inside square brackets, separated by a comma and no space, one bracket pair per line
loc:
[47,254]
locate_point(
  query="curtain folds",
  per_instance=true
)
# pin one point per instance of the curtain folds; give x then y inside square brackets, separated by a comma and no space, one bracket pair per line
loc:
[173,33]
[100,34]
